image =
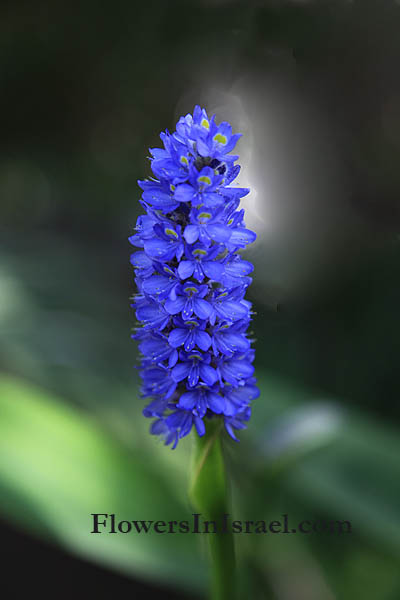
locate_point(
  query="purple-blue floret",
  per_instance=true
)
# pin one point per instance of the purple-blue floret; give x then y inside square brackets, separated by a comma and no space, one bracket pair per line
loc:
[196,354]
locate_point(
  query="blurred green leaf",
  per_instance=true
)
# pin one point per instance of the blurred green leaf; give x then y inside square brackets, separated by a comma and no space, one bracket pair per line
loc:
[309,456]
[357,478]
[326,460]
[57,467]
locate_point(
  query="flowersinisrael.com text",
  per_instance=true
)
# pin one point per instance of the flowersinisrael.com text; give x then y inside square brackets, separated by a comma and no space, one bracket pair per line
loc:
[109,523]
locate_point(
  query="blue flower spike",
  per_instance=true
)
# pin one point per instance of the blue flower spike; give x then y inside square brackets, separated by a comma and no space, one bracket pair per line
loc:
[196,354]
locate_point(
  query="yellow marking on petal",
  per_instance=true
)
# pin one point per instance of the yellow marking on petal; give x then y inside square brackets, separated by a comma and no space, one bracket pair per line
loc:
[168,270]
[192,323]
[193,290]
[172,187]
[169,231]
[230,221]
[222,295]
[184,160]
[199,252]
[205,215]
[204,123]
[192,356]
[204,179]
[221,139]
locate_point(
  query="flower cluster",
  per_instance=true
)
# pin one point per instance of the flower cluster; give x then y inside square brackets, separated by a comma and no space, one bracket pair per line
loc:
[197,358]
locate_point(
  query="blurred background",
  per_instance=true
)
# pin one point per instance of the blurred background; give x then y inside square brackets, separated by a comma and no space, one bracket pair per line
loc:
[85,91]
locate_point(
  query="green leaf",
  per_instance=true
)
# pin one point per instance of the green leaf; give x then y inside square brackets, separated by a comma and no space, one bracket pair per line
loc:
[356,478]
[325,459]
[57,467]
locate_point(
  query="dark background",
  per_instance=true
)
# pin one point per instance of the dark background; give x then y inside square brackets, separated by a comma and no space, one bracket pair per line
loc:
[315,88]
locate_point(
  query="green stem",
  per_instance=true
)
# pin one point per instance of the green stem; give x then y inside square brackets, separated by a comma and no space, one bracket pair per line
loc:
[208,493]
[223,585]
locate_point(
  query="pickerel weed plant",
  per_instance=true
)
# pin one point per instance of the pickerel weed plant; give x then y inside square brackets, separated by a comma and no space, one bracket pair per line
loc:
[197,358]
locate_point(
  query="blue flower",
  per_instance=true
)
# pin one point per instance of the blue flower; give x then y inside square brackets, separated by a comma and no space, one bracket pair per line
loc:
[189,334]
[202,399]
[167,244]
[202,189]
[207,226]
[201,262]
[152,315]
[189,300]
[194,367]
[197,360]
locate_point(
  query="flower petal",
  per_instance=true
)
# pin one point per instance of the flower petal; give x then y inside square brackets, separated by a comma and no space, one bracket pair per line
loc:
[208,374]
[191,233]
[239,268]
[200,427]
[157,248]
[219,233]
[188,400]
[203,340]
[156,285]
[173,307]
[241,237]
[184,192]
[202,308]
[180,371]
[231,310]
[177,337]
[212,269]
[186,268]
[215,402]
